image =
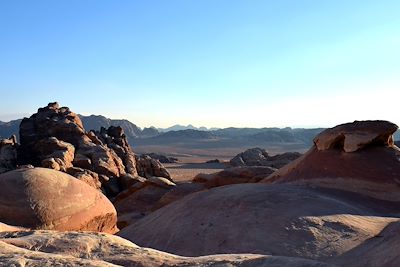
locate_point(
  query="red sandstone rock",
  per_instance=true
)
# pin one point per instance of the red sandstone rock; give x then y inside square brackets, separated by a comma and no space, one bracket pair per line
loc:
[356,135]
[372,169]
[41,198]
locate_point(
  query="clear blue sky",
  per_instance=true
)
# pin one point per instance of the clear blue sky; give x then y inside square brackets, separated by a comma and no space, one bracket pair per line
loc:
[216,63]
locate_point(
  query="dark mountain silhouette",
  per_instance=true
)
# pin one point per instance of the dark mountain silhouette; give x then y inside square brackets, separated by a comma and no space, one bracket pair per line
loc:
[178,127]
[149,132]
[229,137]
[9,128]
[95,122]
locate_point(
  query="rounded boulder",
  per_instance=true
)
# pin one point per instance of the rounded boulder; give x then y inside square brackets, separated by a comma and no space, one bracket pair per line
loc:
[42,198]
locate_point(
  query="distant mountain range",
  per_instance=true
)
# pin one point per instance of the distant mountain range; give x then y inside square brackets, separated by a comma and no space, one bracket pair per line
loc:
[190,134]
[178,127]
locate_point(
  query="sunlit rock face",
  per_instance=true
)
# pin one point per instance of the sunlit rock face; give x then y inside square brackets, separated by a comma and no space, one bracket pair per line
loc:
[41,198]
[359,157]
[55,138]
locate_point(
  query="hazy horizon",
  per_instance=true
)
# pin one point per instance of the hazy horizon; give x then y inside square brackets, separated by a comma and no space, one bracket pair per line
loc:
[207,63]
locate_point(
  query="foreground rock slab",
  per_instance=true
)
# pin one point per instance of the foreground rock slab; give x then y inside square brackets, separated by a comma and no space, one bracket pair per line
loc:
[49,248]
[40,198]
[285,220]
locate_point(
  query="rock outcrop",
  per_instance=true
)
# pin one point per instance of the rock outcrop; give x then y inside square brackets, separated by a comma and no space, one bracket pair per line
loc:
[54,138]
[162,158]
[8,154]
[140,199]
[285,220]
[40,198]
[235,175]
[351,137]
[149,167]
[260,157]
[49,248]
[9,228]
[359,157]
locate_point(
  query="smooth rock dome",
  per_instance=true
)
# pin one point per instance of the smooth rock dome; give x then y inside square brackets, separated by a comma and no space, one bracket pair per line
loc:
[42,198]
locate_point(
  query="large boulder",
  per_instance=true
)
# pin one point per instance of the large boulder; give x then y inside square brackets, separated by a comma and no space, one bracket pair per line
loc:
[42,198]
[285,220]
[344,158]
[8,154]
[260,157]
[49,248]
[149,167]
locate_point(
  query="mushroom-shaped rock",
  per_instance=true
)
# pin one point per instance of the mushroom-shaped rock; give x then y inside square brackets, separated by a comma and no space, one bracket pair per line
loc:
[356,135]
[370,166]
[42,198]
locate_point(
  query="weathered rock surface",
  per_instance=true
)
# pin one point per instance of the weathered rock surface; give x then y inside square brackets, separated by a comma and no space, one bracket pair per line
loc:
[49,248]
[162,158]
[54,138]
[42,198]
[283,220]
[356,135]
[50,121]
[373,169]
[179,191]
[8,154]
[140,199]
[149,167]
[9,228]
[381,250]
[235,175]
[259,157]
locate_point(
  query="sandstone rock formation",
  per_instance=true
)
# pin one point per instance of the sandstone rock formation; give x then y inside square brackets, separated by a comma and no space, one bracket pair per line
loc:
[259,157]
[9,228]
[8,154]
[54,138]
[42,198]
[162,158]
[382,250]
[336,203]
[351,137]
[140,199]
[358,157]
[235,175]
[282,220]
[49,248]
[149,167]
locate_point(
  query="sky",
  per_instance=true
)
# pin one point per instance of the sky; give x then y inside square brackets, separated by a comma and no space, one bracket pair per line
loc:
[213,63]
